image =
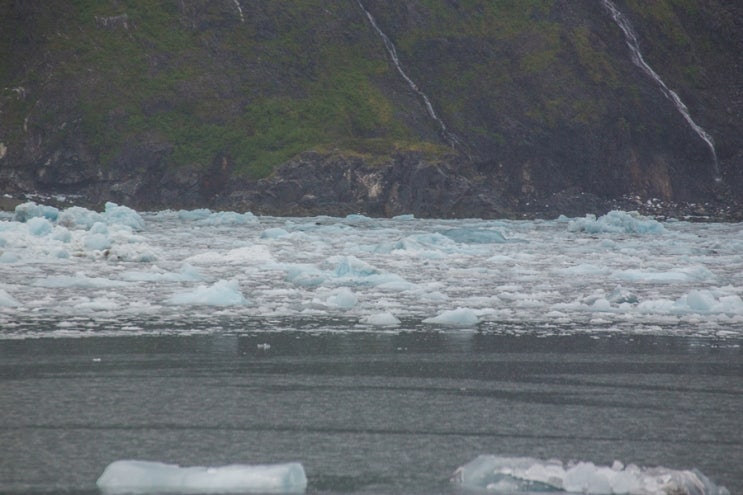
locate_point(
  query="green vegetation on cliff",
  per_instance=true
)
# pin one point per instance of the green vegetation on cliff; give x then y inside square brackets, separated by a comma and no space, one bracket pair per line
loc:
[544,90]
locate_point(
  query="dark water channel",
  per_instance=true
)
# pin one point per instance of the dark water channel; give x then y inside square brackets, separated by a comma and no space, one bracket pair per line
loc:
[365,413]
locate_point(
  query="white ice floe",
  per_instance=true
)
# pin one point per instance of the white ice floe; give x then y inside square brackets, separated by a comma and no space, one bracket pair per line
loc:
[385,319]
[245,254]
[525,475]
[221,293]
[143,477]
[459,317]
[617,222]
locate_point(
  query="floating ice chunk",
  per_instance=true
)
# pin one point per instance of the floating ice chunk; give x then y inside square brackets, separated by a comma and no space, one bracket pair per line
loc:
[39,226]
[460,317]
[525,474]
[197,214]
[96,242]
[274,233]
[221,293]
[6,300]
[475,236]
[26,211]
[230,218]
[141,477]
[123,215]
[381,320]
[61,234]
[617,222]
[97,304]
[247,254]
[404,218]
[356,218]
[620,295]
[343,298]
[350,266]
[79,217]
[705,302]
[305,275]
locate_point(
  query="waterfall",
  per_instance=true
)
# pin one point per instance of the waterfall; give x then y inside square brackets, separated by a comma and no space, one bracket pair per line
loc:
[450,138]
[634,46]
[239,10]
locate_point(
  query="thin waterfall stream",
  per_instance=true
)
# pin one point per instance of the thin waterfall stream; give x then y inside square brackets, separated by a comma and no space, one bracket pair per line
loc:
[239,9]
[634,45]
[450,138]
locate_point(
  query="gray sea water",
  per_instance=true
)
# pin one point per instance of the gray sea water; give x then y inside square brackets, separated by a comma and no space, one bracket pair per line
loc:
[382,354]
[365,412]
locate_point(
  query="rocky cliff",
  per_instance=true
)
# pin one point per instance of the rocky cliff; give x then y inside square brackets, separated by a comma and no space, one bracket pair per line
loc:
[435,107]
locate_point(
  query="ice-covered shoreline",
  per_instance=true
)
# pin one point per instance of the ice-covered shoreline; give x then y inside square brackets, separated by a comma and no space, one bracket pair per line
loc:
[77,271]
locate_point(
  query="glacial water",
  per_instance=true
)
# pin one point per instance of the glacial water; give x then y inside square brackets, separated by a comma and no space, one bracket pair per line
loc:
[381,354]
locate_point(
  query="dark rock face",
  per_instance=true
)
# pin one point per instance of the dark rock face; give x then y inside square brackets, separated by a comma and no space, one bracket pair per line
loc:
[296,108]
[314,184]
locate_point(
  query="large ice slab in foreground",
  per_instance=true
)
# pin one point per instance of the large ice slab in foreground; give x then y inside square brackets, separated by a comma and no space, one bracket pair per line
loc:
[524,474]
[144,477]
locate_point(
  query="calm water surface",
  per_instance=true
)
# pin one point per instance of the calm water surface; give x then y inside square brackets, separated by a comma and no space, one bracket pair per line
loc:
[365,412]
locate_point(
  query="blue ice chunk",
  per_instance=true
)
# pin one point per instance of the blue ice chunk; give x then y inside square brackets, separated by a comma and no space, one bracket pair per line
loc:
[305,275]
[617,222]
[197,214]
[123,215]
[61,234]
[274,233]
[39,226]
[26,211]
[230,218]
[97,242]
[356,218]
[475,236]
[404,218]
[143,477]
[221,293]
[343,298]
[350,266]
[498,474]
[79,217]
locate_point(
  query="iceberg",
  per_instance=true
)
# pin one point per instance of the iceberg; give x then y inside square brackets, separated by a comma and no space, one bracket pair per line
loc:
[221,293]
[617,222]
[26,211]
[385,319]
[460,317]
[39,226]
[144,477]
[123,215]
[498,474]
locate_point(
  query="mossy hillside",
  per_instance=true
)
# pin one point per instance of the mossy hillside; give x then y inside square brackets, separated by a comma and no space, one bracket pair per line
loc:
[485,62]
[201,80]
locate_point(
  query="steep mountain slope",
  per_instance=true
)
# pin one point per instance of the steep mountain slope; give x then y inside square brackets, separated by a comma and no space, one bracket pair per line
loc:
[298,107]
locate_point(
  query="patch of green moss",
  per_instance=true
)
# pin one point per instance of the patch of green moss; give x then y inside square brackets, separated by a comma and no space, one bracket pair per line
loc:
[596,63]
